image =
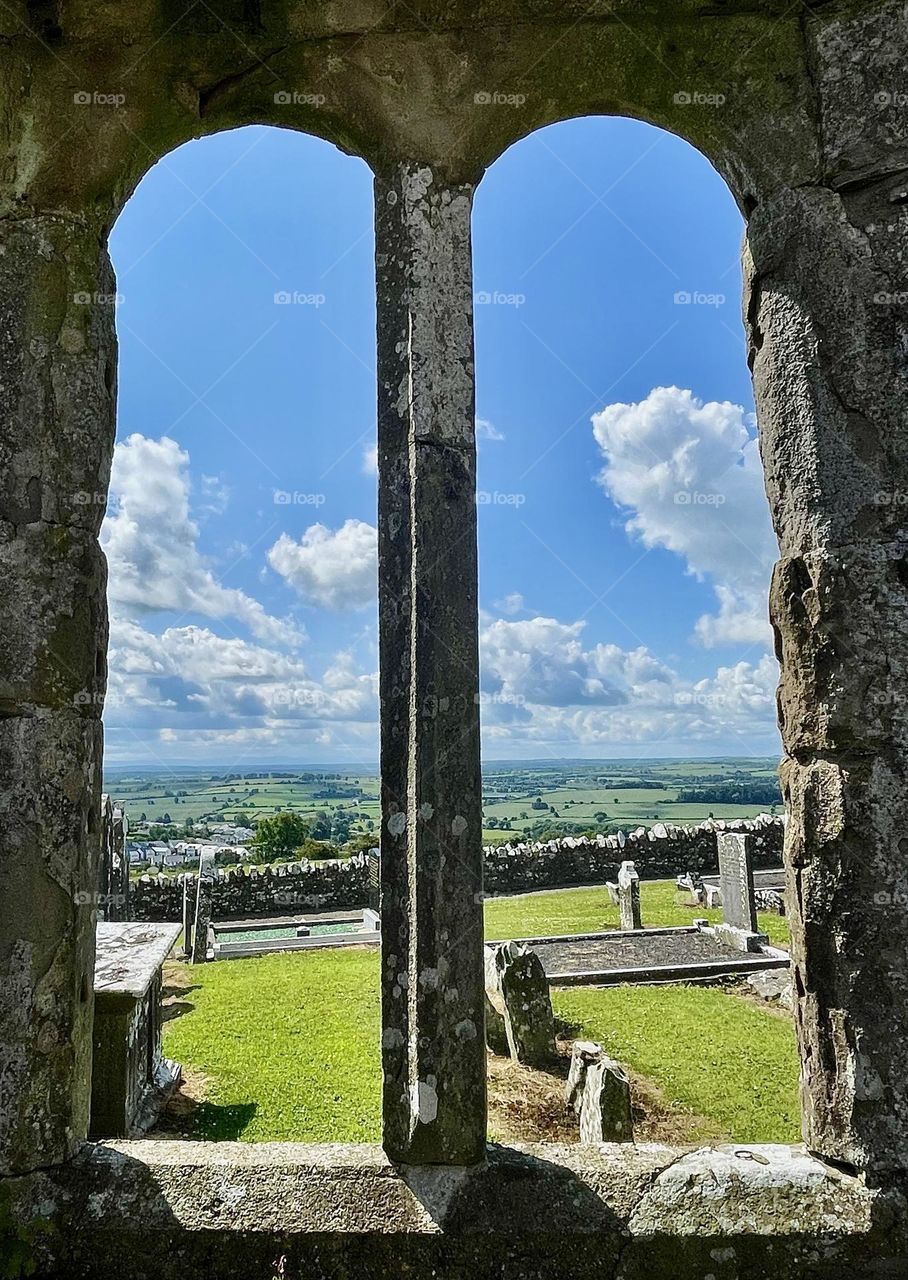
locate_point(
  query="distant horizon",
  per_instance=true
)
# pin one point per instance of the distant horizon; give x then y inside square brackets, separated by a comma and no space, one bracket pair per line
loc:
[373,765]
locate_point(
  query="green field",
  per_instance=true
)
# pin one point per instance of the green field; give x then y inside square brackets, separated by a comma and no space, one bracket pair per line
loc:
[519,800]
[553,912]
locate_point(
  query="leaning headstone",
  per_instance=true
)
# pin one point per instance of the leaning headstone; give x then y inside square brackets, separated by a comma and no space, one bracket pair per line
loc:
[518,992]
[189,897]
[694,886]
[600,1094]
[736,885]
[629,896]
[203,908]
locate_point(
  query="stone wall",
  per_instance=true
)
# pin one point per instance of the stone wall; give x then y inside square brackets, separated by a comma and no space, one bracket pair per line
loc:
[663,850]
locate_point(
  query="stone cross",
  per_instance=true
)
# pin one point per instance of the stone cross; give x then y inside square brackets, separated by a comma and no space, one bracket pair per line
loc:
[629,896]
[736,881]
[203,908]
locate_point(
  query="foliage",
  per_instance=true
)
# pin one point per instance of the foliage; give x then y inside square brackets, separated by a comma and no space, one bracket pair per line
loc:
[280,835]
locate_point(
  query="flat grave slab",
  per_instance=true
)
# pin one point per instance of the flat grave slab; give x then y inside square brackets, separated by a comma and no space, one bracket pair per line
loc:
[646,956]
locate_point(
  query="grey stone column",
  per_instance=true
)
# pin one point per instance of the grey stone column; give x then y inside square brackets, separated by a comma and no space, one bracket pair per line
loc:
[203,909]
[57,389]
[433,1042]
[828,321]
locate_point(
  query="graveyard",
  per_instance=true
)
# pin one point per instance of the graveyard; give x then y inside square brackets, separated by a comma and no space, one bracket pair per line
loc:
[287,1043]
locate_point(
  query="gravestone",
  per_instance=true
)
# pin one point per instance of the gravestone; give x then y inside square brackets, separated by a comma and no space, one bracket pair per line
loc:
[736,881]
[203,909]
[600,1094]
[373,880]
[517,991]
[189,897]
[113,881]
[629,896]
[736,885]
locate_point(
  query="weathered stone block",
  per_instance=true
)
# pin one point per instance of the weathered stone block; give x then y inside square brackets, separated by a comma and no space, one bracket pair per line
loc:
[53,627]
[848,901]
[50,764]
[599,1092]
[58,353]
[841,619]
[518,991]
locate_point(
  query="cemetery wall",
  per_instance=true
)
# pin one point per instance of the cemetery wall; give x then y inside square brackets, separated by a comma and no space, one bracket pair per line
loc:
[663,850]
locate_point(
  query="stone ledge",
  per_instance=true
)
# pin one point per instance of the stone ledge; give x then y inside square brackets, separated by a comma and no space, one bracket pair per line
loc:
[157,1210]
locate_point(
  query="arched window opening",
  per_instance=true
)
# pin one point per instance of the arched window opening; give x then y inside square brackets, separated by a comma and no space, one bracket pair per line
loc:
[241,712]
[626,654]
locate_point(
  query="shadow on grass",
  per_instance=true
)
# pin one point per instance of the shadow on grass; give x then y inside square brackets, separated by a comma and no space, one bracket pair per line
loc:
[212,1122]
[176,1009]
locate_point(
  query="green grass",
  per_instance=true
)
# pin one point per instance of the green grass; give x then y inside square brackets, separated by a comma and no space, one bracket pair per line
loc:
[717,1056]
[289,1044]
[559,911]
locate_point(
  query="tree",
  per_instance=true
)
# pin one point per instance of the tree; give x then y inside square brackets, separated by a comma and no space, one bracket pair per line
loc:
[280,835]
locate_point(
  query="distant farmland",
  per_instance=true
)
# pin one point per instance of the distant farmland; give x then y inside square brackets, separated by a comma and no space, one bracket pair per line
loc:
[519,798]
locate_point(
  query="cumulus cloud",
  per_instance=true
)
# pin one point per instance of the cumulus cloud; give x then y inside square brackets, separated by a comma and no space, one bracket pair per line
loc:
[152,549]
[190,679]
[541,683]
[689,472]
[337,569]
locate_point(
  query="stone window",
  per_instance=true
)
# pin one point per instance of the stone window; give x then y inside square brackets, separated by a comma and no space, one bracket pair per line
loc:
[812,139]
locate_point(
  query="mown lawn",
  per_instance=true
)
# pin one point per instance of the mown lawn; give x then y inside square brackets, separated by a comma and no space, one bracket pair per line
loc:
[288,1048]
[716,1055]
[288,1043]
[558,911]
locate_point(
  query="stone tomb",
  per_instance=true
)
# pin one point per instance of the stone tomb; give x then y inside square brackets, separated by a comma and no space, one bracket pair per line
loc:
[130,1075]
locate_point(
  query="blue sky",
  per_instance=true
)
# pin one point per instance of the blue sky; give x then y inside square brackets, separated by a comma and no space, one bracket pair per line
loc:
[624,537]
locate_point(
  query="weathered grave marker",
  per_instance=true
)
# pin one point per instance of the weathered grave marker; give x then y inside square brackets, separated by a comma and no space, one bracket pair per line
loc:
[203,908]
[600,1094]
[189,897]
[517,994]
[736,884]
[629,896]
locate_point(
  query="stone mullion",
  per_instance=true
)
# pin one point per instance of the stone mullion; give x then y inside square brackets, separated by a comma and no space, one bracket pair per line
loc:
[57,390]
[832,393]
[432,963]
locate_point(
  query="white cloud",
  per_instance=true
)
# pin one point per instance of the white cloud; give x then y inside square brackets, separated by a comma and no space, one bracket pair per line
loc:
[512,603]
[690,473]
[541,684]
[370,460]
[151,543]
[486,430]
[337,569]
[190,679]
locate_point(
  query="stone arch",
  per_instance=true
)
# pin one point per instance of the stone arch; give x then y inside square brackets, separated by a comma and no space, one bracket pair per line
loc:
[813,140]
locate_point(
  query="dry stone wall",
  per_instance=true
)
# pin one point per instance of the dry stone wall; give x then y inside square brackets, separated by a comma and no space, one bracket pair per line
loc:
[298,888]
